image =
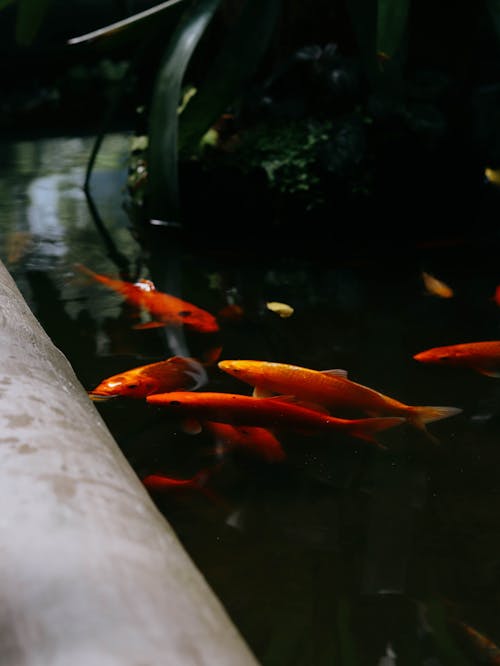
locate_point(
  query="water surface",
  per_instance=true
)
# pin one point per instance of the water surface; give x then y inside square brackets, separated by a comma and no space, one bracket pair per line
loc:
[341,553]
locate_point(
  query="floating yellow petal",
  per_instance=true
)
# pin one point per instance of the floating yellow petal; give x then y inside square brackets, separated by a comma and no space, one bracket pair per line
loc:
[436,287]
[493,175]
[282,309]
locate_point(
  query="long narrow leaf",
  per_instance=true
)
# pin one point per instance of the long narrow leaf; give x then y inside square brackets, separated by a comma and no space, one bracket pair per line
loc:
[235,63]
[30,16]
[5,3]
[392,16]
[163,187]
[493,7]
[124,24]
[363,15]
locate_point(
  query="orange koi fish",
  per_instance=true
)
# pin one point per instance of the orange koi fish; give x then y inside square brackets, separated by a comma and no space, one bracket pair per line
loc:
[488,651]
[162,483]
[436,287]
[255,440]
[165,309]
[329,388]
[231,312]
[174,373]
[483,357]
[272,412]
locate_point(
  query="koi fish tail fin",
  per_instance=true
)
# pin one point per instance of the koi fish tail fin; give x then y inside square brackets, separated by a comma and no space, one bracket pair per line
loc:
[83,269]
[427,414]
[91,274]
[86,271]
[424,415]
[367,428]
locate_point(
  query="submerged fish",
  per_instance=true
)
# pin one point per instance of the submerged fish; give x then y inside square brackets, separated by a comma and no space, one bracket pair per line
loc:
[173,374]
[329,388]
[162,483]
[483,357]
[272,412]
[231,312]
[257,441]
[165,309]
[17,244]
[487,651]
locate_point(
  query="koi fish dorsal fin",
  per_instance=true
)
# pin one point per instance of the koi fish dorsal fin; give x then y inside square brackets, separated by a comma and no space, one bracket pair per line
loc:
[336,372]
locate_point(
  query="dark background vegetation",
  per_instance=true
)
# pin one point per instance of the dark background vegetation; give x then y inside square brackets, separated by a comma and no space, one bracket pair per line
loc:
[324,130]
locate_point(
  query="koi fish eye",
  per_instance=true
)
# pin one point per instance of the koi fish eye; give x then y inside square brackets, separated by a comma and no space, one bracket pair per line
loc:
[131,386]
[185,313]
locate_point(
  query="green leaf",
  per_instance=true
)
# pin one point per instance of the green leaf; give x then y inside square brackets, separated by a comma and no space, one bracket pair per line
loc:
[363,15]
[5,3]
[136,23]
[493,7]
[237,60]
[163,188]
[30,16]
[392,16]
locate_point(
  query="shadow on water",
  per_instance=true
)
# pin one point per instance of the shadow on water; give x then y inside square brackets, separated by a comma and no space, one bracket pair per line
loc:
[341,553]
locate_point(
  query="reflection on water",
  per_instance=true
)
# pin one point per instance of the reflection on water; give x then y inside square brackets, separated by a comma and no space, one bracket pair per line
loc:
[46,224]
[340,554]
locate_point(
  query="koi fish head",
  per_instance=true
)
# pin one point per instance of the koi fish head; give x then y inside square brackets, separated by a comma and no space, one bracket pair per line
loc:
[175,373]
[123,386]
[247,371]
[441,356]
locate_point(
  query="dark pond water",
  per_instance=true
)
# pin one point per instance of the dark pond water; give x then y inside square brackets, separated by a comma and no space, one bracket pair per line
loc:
[341,553]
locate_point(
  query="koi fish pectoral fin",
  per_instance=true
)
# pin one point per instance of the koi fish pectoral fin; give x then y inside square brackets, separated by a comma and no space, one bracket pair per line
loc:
[191,426]
[100,397]
[211,356]
[489,373]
